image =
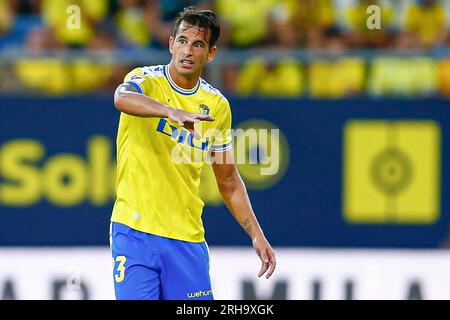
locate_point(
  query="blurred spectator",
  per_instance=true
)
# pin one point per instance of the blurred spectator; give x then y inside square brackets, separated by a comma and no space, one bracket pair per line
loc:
[248,26]
[256,24]
[38,41]
[28,7]
[13,26]
[7,15]
[409,76]
[105,38]
[444,77]
[329,26]
[96,72]
[162,13]
[426,20]
[331,41]
[359,35]
[133,23]
[406,42]
[48,74]
[27,16]
[56,16]
[310,20]
[43,74]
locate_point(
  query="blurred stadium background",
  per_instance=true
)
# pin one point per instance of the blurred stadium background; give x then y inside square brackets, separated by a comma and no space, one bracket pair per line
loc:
[360,206]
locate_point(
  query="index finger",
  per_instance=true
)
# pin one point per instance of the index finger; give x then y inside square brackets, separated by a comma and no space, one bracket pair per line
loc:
[264,263]
[272,265]
[194,132]
[264,267]
[204,117]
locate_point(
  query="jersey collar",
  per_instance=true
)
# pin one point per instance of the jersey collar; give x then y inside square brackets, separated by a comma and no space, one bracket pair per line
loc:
[176,87]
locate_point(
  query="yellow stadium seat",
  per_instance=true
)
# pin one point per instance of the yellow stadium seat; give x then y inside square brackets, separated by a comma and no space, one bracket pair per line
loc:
[353,71]
[89,75]
[403,76]
[249,76]
[49,75]
[284,80]
[318,77]
[336,79]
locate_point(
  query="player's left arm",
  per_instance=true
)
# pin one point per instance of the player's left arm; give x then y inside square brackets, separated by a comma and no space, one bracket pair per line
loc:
[235,196]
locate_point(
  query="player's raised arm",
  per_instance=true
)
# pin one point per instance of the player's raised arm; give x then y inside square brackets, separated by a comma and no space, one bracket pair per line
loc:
[128,100]
[235,195]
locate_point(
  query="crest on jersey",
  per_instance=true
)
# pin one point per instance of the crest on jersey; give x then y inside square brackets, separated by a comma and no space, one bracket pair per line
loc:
[204,109]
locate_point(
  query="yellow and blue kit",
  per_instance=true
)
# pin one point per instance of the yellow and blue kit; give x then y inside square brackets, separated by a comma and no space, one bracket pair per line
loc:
[157,191]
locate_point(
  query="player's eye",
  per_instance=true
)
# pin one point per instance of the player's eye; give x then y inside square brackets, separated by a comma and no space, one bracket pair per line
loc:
[182,41]
[199,45]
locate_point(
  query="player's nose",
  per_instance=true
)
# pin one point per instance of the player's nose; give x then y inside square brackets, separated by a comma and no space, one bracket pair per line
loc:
[187,50]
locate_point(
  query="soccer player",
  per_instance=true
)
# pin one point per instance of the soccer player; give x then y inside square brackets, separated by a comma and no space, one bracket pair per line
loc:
[168,111]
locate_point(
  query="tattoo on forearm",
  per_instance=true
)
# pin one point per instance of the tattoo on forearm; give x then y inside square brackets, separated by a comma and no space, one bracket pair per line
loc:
[247,226]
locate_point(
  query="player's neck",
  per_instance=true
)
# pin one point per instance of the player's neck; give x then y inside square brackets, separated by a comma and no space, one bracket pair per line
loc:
[182,81]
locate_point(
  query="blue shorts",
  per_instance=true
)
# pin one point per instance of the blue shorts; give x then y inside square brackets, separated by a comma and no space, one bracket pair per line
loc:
[149,267]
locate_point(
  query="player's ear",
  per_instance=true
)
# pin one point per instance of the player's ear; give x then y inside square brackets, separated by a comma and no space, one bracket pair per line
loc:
[212,53]
[171,44]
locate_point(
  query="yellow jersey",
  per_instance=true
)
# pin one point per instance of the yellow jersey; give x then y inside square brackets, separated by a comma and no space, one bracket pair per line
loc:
[159,162]
[62,16]
[426,22]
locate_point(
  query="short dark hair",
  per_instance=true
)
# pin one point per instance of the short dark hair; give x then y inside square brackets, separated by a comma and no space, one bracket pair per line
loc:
[203,19]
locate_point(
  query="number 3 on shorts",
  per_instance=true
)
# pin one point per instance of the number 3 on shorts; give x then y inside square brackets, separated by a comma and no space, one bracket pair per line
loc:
[120,268]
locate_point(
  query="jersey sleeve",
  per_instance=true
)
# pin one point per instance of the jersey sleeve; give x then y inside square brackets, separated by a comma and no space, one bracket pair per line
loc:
[139,81]
[223,139]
